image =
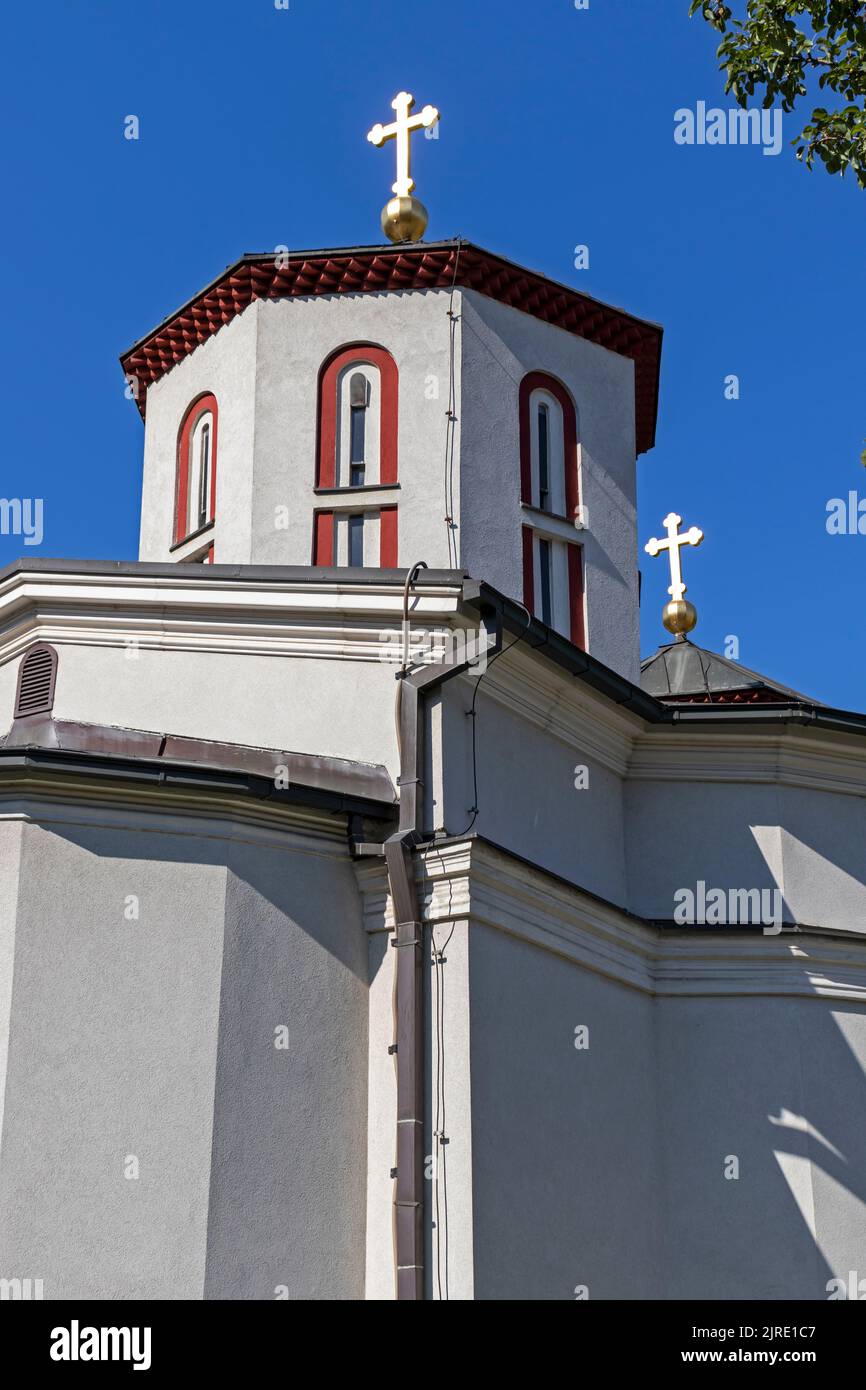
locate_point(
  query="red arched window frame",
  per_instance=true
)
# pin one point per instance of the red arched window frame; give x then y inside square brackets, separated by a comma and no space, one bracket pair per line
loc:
[206,402]
[329,375]
[540,381]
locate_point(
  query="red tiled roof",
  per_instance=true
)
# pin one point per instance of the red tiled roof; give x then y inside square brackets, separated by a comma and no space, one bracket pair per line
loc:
[435,265]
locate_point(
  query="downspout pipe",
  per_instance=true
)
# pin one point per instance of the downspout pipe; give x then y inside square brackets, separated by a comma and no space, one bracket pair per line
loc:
[409,944]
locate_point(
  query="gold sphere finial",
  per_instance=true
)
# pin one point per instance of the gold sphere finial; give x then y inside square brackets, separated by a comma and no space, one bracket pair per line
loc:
[679,617]
[404,219]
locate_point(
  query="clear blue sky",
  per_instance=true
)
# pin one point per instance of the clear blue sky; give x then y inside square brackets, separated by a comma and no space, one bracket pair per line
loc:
[557,130]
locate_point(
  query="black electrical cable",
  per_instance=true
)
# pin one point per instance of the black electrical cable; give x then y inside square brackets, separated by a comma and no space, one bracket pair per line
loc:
[451,418]
[472,714]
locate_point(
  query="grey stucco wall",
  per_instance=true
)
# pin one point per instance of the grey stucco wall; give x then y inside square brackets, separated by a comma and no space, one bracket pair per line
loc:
[267,700]
[112,1052]
[499,347]
[564,1141]
[807,843]
[287,1197]
[778,1084]
[264,367]
[527,798]
[154,1038]
[10,862]
[701,1147]
[226,366]
[295,337]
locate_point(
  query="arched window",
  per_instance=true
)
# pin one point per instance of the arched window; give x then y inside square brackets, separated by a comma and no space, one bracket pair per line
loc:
[550,497]
[358,388]
[357,455]
[548,446]
[195,498]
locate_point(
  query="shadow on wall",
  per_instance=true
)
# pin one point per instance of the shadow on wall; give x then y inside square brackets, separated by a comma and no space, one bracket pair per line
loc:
[764,1150]
[218,1033]
[697,1148]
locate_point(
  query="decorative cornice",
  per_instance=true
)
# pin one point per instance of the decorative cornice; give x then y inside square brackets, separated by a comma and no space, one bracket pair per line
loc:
[384,269]
[334,615]
[42,797]
[473,881]
[568,710]
[186,610]
[781,755]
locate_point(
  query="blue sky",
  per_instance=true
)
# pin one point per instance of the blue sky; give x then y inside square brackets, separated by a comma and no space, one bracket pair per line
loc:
[557,130]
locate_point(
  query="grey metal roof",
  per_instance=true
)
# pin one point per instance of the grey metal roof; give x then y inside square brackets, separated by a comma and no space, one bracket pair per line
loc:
[337,784]
[253,574]
[682,670]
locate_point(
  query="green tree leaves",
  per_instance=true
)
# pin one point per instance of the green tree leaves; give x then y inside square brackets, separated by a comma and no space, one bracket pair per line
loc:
[783,49]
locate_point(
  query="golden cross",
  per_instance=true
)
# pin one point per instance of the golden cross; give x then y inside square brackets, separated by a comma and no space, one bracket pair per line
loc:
[401,131]
[671,524]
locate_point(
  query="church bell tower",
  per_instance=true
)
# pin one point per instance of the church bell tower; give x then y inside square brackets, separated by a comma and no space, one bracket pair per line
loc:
[380,405]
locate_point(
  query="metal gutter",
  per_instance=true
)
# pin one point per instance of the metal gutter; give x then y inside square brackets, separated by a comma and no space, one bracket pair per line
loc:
[253,574]
[481,597]
[409,968]
[813,716]
[161,771]
[632,697]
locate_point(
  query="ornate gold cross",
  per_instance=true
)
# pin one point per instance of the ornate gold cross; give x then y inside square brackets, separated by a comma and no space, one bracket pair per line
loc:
[679,616]
[401,130]
[671,523]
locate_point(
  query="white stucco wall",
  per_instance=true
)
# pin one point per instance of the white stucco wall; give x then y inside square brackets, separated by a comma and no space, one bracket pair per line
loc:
[264,369]
[226,366]
[703,1143]
[602,1166]
[269,701]
[704,1147]
[295,337]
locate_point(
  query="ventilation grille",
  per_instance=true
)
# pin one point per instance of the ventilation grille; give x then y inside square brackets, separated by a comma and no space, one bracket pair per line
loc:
[36,681]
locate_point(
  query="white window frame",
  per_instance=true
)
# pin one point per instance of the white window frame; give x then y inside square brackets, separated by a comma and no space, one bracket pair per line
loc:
[560,597]
[372,424]
[372,537]
[556,452]
[205,422]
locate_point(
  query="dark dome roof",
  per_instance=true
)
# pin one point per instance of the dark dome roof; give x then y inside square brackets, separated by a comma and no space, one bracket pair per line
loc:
[682,673]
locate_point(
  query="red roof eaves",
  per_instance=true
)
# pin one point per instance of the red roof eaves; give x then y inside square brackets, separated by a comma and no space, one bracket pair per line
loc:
[421,266]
